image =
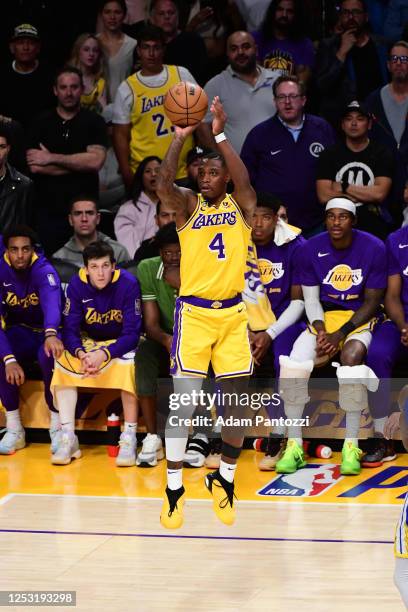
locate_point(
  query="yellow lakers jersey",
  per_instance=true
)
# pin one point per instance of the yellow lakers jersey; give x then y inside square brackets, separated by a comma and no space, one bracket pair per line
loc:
[90,100]
[214,248]
[151,131]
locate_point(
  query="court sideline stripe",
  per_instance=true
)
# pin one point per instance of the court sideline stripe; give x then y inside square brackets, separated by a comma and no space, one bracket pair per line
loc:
[193,537]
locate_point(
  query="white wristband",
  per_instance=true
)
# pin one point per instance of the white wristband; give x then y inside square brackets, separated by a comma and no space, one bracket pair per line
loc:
[11,360]
[220,137]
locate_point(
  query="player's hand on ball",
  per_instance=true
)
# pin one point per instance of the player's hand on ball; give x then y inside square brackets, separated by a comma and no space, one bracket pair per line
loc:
[53,346]
[14,374]
[219,116]
[184,132]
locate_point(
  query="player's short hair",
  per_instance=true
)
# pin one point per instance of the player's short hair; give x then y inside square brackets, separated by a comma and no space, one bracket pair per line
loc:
[214,155]
[289,79]
[151,32]
[82,197]
[67,69]
[97,250]
[121,3]
[268,200]
[167,235]
[20,231]
[5,132]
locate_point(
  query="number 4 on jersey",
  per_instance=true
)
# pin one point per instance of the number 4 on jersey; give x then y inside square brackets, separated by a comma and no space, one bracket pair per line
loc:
[218,246]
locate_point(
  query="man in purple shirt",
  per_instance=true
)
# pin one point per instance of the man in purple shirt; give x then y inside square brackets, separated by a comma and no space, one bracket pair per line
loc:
[30,304]
[390,343]
[343,281]
[277,247]
[102,323]
[281,154]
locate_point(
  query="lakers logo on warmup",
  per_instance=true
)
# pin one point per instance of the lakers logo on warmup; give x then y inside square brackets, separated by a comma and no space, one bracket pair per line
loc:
[270,271]
[342,277]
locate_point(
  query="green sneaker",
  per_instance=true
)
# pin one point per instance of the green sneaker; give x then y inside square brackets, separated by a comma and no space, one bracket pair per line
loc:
[350,459]
[293,459]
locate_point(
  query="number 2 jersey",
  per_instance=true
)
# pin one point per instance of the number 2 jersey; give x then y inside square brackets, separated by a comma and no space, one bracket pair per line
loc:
[214,249]
[344,274]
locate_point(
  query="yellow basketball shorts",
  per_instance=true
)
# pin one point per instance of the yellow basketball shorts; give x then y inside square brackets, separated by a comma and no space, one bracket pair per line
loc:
[210,331]
[118,373]
[401,533]
[334,319]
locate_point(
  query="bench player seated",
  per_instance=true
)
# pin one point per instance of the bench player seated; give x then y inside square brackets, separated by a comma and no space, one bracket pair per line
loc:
[30,306]
[389,345]
[277,249]
[343,282]
[101,328]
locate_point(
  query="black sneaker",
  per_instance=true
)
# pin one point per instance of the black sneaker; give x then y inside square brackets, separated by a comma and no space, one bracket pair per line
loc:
[378,451]
[171,516]
[273,452]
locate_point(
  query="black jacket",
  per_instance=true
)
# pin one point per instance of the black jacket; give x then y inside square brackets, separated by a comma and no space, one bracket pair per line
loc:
[16,199]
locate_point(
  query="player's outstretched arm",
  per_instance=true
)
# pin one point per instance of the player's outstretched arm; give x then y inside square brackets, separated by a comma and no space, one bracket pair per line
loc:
[244,194]
[183,200]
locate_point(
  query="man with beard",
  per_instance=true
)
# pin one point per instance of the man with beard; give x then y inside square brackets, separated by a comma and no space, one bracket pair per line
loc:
[67,148]
[360,168]
[389,107]
[351,64]
[243,85]
[281,41]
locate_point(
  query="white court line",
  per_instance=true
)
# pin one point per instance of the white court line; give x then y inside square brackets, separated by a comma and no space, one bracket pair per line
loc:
[9,496]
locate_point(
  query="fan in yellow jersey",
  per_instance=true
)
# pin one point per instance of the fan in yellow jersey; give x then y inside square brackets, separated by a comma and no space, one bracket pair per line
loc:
[141,127]
[210,318]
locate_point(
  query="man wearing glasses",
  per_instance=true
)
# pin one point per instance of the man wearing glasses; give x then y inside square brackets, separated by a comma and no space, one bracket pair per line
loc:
[350,64]
[389,106]
[281,154]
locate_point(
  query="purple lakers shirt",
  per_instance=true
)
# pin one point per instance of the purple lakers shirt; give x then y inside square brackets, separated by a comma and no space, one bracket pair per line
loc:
[103,314]
[279,267]
[31,297]
[397,250]
[344,274]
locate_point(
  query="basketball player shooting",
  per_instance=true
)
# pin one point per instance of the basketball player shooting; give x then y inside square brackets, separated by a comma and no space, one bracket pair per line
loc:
[210,317]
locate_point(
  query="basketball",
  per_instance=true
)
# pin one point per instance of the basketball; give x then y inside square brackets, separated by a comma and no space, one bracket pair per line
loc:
[186,104]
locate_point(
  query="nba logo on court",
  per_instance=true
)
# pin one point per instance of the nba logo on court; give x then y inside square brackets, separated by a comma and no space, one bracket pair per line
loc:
[314,479]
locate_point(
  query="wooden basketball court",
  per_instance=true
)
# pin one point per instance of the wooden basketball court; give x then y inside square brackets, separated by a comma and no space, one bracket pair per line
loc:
[315,542]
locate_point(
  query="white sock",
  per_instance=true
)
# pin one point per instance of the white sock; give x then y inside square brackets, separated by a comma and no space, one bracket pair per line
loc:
[66,399]
[352,425]
[55,422]
[174,479]
[227,470]
[379,425]
[298,440]
[130,428]
[13,420]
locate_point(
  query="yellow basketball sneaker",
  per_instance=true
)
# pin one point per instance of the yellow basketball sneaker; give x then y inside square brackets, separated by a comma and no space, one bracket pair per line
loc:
[223,497]
[171,516]
[350,459]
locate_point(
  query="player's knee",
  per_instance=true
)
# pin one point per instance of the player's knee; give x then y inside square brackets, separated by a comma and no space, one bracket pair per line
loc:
[294,378]
[352,354]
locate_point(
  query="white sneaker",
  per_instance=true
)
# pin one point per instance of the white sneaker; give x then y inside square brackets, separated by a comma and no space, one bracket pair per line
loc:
[54,436]
[67,449]
[127,450]
[13,440]
[152,451]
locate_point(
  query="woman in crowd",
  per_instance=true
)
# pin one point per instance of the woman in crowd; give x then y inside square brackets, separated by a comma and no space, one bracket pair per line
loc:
[87,56]
[135,220]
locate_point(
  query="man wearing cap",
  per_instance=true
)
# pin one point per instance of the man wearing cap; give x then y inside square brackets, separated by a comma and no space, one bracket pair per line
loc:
[343,281]
[194,156]
[26,82]
[359,168]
